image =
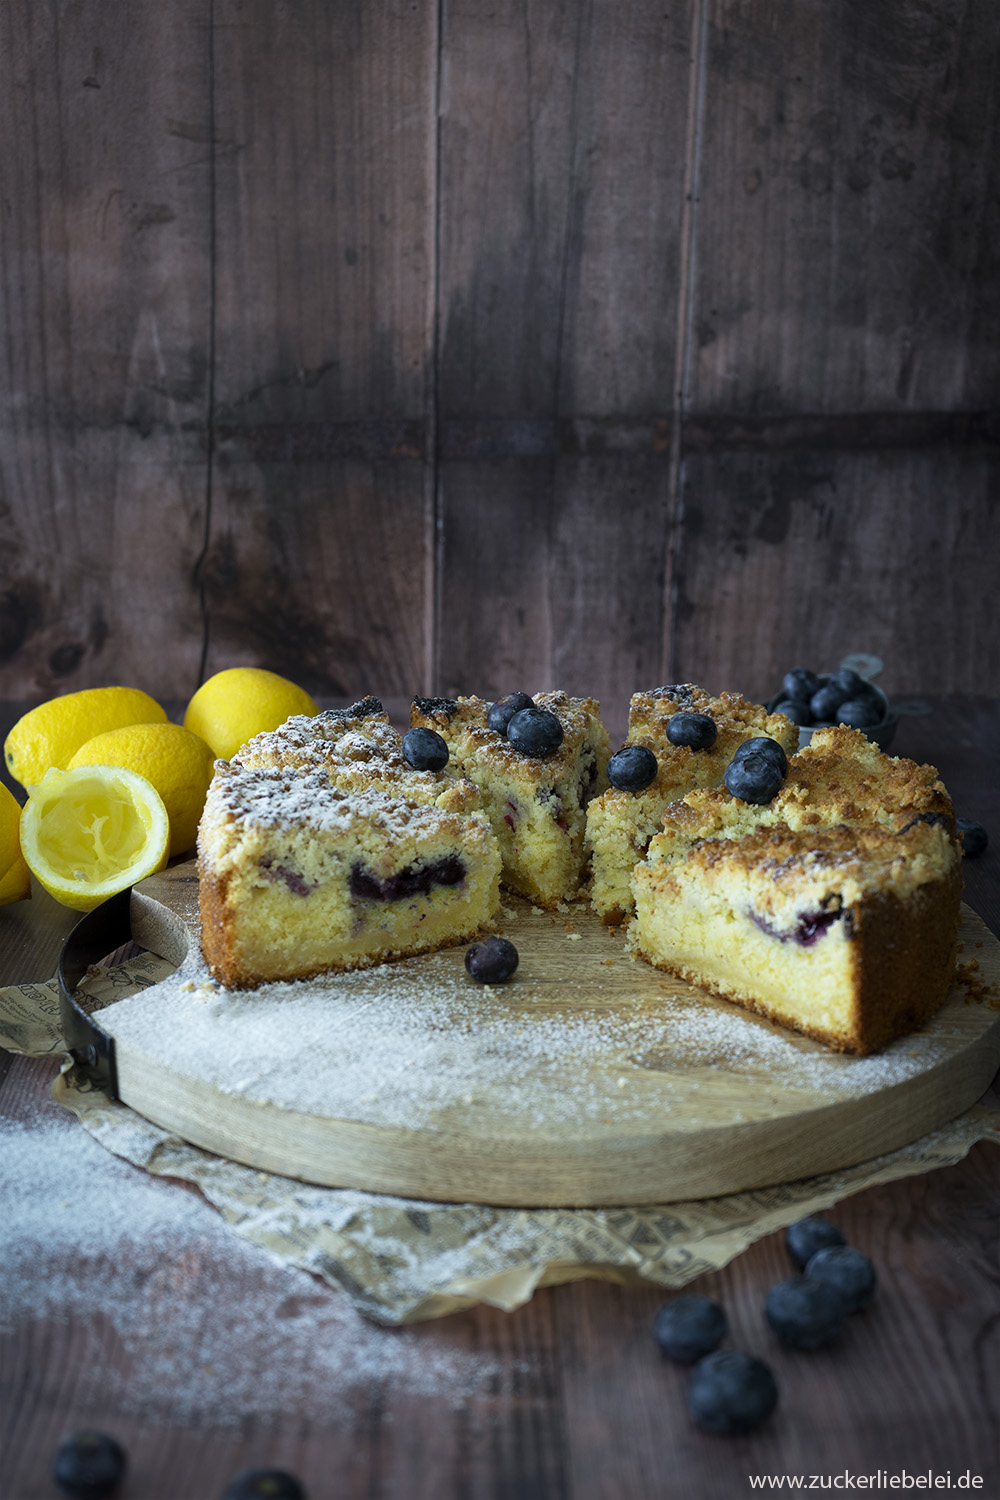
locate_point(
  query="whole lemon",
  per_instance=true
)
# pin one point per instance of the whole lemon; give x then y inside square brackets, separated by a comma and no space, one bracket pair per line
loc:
[234,705]
[178,763]
[52,733]
[15,882]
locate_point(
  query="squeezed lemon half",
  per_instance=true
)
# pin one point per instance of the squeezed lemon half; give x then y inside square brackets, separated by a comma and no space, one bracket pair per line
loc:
[88,833]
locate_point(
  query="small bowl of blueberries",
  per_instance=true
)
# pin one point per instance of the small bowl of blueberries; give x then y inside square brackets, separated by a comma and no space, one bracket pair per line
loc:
[817,700]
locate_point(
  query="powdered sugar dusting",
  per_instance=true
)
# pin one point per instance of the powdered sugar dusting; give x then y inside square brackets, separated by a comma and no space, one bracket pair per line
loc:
[141,1262]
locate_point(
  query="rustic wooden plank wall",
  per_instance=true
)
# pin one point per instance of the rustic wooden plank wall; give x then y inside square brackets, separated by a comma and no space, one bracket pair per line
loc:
[429,346]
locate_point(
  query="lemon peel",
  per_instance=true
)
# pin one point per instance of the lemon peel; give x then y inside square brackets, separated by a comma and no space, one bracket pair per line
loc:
[51,734]
[89,833]
[235,704]
[15,881]
[178,763]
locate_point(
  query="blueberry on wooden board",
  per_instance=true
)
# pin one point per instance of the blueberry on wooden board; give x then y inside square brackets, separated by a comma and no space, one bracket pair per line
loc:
[805,1314]
[689,1327]
[972,836]
[492,960]
[88,1465]
[264,1484]
[730,1392]
[848,1271]
[536,732]
[806,1236]
[798,685]
[797,712]
[696,731]
[425,749]
[632,768]
[500,713]
[755,779]
[762,744]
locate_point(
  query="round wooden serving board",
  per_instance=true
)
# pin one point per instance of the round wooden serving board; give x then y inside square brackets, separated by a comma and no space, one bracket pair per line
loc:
[587,1079]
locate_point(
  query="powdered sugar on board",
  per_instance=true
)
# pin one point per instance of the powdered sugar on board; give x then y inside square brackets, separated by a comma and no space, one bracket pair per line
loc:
[140,1264]
[582,1035]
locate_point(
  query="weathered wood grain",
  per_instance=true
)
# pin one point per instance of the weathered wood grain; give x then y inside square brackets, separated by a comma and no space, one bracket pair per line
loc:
[104,242]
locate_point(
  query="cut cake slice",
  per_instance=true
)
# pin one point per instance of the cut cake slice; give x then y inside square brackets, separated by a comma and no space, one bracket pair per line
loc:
[536,805]
[834,909]
[620,824]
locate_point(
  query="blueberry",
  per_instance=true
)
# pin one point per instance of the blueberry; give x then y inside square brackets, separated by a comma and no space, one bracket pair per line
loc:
[264,1484]
[425,749]
[762,744]
[806,1236]
[730,1392]
[632,768]
[799,685]
[500,713]
[972,836]
[88,1465]
[689,1327]
[805,1313]
[797,712]
[755,779]
[860,713]
[826,700]
[492,960]
[696,731]
[535,731]
[851,683]
[849,1272]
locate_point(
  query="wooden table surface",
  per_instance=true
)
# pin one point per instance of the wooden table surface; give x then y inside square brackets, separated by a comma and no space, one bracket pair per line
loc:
[127,1305]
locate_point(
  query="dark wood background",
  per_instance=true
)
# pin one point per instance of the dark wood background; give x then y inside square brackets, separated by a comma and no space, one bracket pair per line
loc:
[482,344]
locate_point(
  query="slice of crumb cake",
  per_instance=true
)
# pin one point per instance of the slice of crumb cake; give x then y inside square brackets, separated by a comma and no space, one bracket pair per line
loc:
[298,876]
[536,803]
[832,909]
[621,823]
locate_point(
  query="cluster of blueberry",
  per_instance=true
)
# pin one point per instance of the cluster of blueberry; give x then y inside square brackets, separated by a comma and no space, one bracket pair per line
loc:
[531,730]
[844,697]
[90,1465]
[754,774]
[732,1392]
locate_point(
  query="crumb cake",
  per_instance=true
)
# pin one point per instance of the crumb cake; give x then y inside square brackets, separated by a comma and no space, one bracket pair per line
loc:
[620,824]
[298,876]
[833,909]
[536,805]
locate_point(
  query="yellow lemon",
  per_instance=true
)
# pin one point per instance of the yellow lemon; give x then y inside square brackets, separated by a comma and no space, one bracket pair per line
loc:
[15,882]
[87,834]
[233,706]
[51,734]
[177,762]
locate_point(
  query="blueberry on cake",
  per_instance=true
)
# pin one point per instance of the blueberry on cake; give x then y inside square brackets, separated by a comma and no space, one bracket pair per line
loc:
[299,876]
[693,737]
[832,909]
[536,768]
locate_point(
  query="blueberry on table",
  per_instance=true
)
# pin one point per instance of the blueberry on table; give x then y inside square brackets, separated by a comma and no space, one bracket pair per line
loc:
[806,1236]
[264,1484]
[797,712]
[731,1392]
[849,1272]
[826,700]
[805,1313]
[798,685]
[689,1327]
[762,744]
[860,713]
[535,731]
[492,960]
[696,731]
[972,836]
[88,1465]
[500,713]
[425,749]
[755,778]
[632,768]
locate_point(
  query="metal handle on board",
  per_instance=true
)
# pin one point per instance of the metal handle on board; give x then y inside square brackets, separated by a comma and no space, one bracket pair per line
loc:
[96,935]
